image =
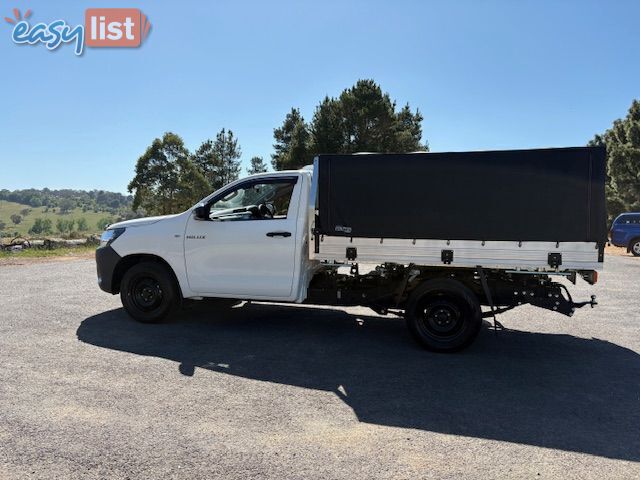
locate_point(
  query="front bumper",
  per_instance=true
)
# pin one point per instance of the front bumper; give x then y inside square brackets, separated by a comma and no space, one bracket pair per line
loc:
[106,261]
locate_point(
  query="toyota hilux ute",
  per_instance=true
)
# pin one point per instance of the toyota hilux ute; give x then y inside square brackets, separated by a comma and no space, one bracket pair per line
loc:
[429,236]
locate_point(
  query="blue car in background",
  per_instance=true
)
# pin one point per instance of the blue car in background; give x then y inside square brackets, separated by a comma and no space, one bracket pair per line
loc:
[625,232]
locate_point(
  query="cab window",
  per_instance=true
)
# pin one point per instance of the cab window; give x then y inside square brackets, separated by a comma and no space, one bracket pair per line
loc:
[255,200]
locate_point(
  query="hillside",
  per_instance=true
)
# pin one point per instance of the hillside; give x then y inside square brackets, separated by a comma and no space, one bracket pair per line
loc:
[60,212]
[7,209]
[68,199]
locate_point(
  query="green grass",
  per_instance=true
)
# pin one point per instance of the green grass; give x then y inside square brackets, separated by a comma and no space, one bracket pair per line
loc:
[41,253]
[9,208]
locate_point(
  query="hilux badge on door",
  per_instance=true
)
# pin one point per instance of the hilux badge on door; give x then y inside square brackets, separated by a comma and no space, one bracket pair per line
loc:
[196,237]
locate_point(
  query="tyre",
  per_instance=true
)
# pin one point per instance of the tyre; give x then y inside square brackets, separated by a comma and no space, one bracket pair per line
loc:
[634,247]
[149,292]
[443,315]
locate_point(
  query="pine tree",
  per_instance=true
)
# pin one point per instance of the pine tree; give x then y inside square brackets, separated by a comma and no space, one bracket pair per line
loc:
[205,162]
[623,162]
[291,143]
[226,155]
[361,119]
[327,127]
[257,166]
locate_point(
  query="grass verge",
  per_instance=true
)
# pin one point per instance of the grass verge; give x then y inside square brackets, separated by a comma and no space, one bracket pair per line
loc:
[80,251]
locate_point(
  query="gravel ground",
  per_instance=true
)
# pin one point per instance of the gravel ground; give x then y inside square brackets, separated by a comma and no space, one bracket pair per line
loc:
[275,391]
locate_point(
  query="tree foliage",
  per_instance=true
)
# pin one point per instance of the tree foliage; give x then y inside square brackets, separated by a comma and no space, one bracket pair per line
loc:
[82,224]
[227,153]
[257,166]
[40,226]
[361,119]
[219,160]
[66,205]
[16,219]
[65,226]
[205,161]
[623,162]
[166,180]
[291,142]
[103,223]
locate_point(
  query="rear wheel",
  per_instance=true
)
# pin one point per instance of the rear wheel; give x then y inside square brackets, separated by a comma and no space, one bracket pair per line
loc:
[634,247]
[148,292]
[443,315]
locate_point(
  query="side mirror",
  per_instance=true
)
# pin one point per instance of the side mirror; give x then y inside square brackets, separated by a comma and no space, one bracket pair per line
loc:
[201,212]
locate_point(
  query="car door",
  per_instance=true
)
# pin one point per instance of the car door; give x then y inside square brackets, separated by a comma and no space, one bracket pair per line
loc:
[247,246]
[633,228]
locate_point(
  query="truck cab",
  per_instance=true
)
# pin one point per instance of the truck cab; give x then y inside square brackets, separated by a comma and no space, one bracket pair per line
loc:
[247,240]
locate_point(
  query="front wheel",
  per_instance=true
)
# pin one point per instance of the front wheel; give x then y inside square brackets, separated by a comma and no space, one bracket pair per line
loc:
[148,292]
[443,315]
[634,247]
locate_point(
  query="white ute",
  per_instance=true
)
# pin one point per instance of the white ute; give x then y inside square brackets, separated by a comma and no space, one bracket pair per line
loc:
[283,237]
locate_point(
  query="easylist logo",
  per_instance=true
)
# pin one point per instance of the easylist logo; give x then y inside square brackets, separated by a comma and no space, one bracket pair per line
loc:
[104,27]
[115,27]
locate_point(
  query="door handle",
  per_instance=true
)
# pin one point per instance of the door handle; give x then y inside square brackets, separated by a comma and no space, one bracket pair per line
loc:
[279,234]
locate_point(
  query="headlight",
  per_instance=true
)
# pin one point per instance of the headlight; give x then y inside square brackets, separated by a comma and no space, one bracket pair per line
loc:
[108,236]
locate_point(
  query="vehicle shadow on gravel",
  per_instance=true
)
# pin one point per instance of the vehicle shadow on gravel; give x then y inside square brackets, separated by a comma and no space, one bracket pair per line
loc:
[555,391]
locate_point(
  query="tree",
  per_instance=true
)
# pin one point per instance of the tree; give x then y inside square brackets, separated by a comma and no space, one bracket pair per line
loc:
[166,180]
[16,219]
[191,185]
[227,153]
[361,119]
[408,131]
[66,205]
[47,226]
[40,226]
[64,226]
[205,161]
[623,162]
[327,127]
[82,224]
[218,160]
[103,223]
[257,166]
[291,142]
[299,153]
[25,211]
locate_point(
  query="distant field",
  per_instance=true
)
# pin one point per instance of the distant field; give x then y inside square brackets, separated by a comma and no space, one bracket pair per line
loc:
[9,208]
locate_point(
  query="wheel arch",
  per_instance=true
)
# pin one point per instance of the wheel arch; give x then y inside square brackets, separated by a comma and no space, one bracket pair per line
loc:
[446,282]
[631,242]
[129,261]
[464,277]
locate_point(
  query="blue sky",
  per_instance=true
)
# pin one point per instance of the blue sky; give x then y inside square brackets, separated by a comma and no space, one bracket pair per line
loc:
[485,75]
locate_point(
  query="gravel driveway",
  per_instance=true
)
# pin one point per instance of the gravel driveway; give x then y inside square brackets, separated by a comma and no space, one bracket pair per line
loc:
[273,391]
